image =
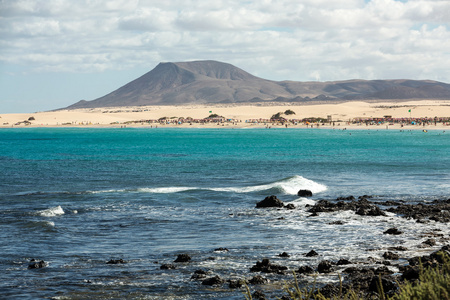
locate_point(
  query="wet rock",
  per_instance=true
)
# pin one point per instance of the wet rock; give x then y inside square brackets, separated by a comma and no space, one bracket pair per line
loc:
[311,253]
[349,198]
[325,266]
[290,206]
[168,267]
[387,285]
[337,223]
[391,255]
[284,254]
[235,283]
[398,248]
[258,295]
[305,270]
[199,274]
[304,193]
[183,258]
[37,264]
[393,231]
[116,261]
[266,267]
[221,250]
[429,242]
[258,279]
[216,280]
[270,201]
[343,262]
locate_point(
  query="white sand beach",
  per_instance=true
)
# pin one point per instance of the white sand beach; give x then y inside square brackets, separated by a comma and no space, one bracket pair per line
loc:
[256,115]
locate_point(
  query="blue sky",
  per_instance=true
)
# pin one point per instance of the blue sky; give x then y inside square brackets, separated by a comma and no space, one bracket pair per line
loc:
[54,53]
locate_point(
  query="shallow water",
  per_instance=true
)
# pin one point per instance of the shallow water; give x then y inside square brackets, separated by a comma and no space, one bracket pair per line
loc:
[77,198]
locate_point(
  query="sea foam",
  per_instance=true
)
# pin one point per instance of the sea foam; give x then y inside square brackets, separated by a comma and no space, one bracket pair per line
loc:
[51,212]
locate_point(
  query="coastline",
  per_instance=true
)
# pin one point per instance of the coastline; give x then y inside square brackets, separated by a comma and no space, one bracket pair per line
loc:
[349,115]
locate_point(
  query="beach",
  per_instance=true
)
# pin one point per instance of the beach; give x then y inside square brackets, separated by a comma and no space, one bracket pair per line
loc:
[353,114]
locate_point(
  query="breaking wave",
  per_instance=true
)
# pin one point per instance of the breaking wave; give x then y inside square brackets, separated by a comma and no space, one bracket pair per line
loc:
[51,212]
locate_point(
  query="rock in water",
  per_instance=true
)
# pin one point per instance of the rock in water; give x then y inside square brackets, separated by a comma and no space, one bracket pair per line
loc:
[34,264]
[304,193]
[270,201]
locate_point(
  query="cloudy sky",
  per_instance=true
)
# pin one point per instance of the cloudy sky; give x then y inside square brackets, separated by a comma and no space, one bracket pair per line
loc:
[56,52]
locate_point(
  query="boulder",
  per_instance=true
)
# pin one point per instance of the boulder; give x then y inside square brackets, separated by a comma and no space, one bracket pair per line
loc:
[270,201]
[284,254]
[258,279]
[35,264]
[304,193]
[305,270]
[258,295]
[183,258]
[311,253]
[391,255]
[393,231]
[266,267]
[216,280]
[199,274]
[116,261]
[325,266]
[168,267]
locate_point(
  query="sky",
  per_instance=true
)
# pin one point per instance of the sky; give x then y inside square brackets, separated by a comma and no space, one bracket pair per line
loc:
[54,53]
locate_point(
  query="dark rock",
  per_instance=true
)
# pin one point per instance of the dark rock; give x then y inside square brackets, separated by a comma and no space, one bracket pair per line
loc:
[391,255]
[430,242]
[284,254]
[410,273]
[311,253]
[388,286]
[290,206]
[305,270]
[342,262]
[398,248]
[393,231]
[337,223]
[168,267]
[349,198]
[199,274]
[325,266]
[235,283]
[31,119]
[221,250]
[182,258]
[329,291]
[216,280]
[116,261]
[266,267]
[258,279]
[37,264]
[258,295]
[270,201]
[304,193]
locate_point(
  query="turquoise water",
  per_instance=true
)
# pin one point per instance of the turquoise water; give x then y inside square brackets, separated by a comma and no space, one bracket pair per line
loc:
[79,197]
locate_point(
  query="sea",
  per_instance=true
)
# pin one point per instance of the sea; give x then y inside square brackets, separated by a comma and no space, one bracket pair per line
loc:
[78,198]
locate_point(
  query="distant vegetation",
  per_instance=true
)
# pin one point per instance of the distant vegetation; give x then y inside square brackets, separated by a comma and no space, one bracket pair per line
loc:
[289,112]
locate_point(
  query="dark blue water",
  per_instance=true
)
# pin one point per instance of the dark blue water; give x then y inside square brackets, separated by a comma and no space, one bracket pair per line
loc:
[77,198]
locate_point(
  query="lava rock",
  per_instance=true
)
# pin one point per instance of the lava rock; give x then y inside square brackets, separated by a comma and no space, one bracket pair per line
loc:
[325,266]
[393,231]
[258,279]
[35,264]
[216,280]
[266,267]
[116,261]
[270,201]
[304,193]
[305,270]
[183,258]
[311,253]
[199,274]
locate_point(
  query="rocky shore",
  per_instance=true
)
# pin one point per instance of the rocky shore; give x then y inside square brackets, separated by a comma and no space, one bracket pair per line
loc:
[365,276]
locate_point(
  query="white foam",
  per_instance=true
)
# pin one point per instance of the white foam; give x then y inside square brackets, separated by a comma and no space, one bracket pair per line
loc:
[51,212]
[165,190]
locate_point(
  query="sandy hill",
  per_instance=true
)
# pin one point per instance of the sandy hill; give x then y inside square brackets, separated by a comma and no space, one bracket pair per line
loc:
[200,82]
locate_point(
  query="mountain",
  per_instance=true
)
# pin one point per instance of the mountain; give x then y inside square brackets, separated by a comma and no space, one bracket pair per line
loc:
[200,82]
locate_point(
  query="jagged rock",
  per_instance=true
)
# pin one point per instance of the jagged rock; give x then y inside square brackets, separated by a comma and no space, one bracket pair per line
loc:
[289,206]
[343,261]
[183,258]
[266,267]
[325,266]
[304,193]
[168,267]
[270,201]
[199,274]
[391,255]
[116,261]
[284,254]
[305,270]
[235,283]
[35,264]
[311,253]
[393,231]
[221,250]
[258,295]
[258,279]
[430,242]
[216,280]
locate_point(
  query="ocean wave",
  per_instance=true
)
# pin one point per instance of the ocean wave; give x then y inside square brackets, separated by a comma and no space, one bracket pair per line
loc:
[51,212]
[289,186]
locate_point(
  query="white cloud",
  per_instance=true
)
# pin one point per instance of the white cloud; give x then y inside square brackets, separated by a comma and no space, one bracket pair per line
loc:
[289,39]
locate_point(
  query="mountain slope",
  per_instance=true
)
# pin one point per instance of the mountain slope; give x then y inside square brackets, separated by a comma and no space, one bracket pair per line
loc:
[201,82]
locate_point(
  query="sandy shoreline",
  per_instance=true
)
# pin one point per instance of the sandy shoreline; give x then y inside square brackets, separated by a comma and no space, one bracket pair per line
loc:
[238,116]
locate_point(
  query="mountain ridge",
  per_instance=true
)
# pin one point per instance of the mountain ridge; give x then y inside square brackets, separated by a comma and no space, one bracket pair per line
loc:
[205,82]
